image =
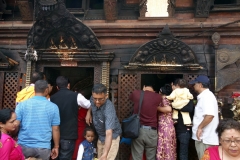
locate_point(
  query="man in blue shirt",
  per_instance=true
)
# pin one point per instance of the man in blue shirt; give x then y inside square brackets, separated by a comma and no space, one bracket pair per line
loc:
[38,120]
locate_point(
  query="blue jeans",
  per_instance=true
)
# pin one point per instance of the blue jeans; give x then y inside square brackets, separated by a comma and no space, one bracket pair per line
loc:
[66,149]
[183,139]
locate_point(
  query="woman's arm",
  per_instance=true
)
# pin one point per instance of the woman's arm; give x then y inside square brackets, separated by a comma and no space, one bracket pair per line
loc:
[164,109]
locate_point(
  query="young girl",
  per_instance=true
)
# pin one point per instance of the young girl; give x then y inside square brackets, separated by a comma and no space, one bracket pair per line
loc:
[86,148]
[181,97]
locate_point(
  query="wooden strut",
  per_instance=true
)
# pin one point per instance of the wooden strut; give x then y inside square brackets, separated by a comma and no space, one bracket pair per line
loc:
[28,73]
[105,74]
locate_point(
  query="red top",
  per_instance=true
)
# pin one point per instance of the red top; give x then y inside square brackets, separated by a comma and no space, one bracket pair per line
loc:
[9,149]
[148,114]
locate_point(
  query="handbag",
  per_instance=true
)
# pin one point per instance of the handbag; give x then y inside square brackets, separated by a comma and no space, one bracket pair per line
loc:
[131,125]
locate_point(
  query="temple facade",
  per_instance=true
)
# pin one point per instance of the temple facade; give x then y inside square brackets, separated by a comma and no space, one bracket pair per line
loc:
[122,44]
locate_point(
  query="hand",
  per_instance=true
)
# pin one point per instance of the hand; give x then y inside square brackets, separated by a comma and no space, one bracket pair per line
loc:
[103,157]
[88,118]
[199,133]
[54,153]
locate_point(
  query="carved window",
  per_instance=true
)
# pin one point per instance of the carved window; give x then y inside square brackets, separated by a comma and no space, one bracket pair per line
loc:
[86,9]
[226,2]
[131,2]
[74,3]
[226,5]
[84,4]
[156,8]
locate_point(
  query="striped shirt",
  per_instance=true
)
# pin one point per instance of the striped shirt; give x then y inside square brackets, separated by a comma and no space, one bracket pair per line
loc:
[37,115]
[105,118]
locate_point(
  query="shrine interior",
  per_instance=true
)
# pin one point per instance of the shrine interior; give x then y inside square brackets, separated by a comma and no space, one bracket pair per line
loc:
[81,78]
[159,80]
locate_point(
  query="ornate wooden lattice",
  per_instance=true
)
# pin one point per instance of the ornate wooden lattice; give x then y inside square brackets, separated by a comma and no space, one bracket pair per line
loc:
[191,77]
[10,89]
[127,84]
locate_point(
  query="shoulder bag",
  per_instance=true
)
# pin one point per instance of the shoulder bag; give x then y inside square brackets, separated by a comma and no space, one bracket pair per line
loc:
[131,125]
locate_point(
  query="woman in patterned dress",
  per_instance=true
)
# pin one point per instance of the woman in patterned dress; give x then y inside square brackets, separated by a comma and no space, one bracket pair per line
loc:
[166,149]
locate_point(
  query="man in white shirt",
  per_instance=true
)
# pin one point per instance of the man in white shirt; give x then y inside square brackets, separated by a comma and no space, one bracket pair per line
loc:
[205,120]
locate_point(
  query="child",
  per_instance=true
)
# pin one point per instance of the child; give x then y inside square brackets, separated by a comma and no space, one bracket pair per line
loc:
[181,97]
[86,148]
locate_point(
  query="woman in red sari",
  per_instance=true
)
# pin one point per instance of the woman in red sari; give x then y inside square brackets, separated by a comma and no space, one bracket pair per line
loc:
[229,137]
[9,149]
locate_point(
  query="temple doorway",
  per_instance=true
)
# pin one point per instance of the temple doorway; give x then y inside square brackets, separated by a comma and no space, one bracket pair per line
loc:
[158,80]
[81,78]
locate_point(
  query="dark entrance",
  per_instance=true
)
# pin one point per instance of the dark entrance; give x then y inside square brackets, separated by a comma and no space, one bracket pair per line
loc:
[158,80]
[81,78]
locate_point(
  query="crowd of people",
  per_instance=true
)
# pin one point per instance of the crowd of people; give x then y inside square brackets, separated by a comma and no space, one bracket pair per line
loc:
[66,125]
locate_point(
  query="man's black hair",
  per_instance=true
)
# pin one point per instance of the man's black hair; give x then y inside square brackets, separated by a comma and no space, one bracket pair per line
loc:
[166,89]
[99,88]
[62,82]
[37,76]
[40,86]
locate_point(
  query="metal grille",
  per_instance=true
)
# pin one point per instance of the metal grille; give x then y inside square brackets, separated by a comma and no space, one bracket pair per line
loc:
[10,89]
[127,84]
[191,77]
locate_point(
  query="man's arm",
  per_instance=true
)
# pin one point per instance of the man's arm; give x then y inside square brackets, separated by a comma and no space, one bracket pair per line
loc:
[83,102]
[107,145]
[207,119]
[56,137]
[88,117]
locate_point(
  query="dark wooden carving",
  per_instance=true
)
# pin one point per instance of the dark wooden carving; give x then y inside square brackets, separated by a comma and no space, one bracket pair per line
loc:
[164,53]
[227,67]
[110,9]
[1,88]
[3,61]
[142,8]
[59,29]
[202,8]
[68,55]
[171,8]
[26,10]
[3,6]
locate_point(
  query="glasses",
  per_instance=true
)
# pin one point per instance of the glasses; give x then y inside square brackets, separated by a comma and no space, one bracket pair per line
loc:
[228,141]
[99,99]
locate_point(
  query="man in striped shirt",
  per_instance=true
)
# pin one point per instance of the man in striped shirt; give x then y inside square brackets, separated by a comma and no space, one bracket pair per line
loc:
[39,120]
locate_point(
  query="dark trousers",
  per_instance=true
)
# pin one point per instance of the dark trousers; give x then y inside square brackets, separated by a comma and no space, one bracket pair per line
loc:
[183,142]
[66,149]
